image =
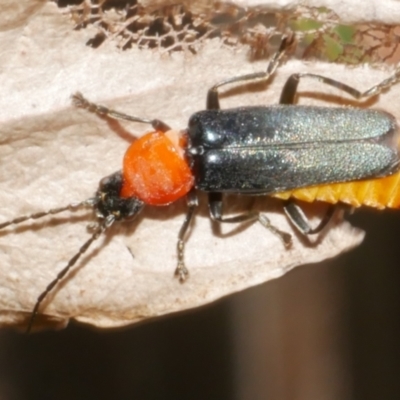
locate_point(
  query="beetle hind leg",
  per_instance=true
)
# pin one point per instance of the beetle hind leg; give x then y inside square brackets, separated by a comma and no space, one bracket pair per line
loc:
[301,222]
[289,91]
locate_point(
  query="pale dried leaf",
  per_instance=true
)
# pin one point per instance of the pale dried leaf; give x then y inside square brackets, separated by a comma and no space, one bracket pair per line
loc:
[53,154]
[349,11]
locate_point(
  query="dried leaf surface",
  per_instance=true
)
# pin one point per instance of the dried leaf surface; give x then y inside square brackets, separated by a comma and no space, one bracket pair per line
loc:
[348,10]
[53,154]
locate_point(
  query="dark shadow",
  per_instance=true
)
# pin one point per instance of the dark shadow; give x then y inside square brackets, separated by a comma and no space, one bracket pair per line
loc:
[184,356]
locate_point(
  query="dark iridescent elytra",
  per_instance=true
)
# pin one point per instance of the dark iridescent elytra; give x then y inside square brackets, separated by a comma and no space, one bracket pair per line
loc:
[272,149]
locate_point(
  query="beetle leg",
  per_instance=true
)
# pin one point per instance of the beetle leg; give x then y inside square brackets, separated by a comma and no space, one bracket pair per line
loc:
[290,88]
[80,101]
[213,95]
[300,221]
[215,208]
[181,271]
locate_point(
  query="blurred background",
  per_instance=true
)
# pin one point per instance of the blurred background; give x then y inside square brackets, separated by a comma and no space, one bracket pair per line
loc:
[323,331]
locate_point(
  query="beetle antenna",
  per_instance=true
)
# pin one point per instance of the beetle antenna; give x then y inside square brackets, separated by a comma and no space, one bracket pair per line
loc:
[100,228]
[41,214]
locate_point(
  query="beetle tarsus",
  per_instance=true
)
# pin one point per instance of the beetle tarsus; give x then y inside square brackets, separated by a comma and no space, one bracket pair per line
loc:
[284,236]
[181,272]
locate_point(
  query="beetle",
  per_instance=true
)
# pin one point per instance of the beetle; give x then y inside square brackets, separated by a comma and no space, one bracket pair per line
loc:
[282,150]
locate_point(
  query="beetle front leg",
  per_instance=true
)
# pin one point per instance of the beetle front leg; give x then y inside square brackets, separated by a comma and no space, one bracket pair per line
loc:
[301,222]
[181,271]
[215,208]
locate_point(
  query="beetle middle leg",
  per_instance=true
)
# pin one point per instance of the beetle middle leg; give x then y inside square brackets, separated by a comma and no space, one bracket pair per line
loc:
[215,208]
[213,94]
